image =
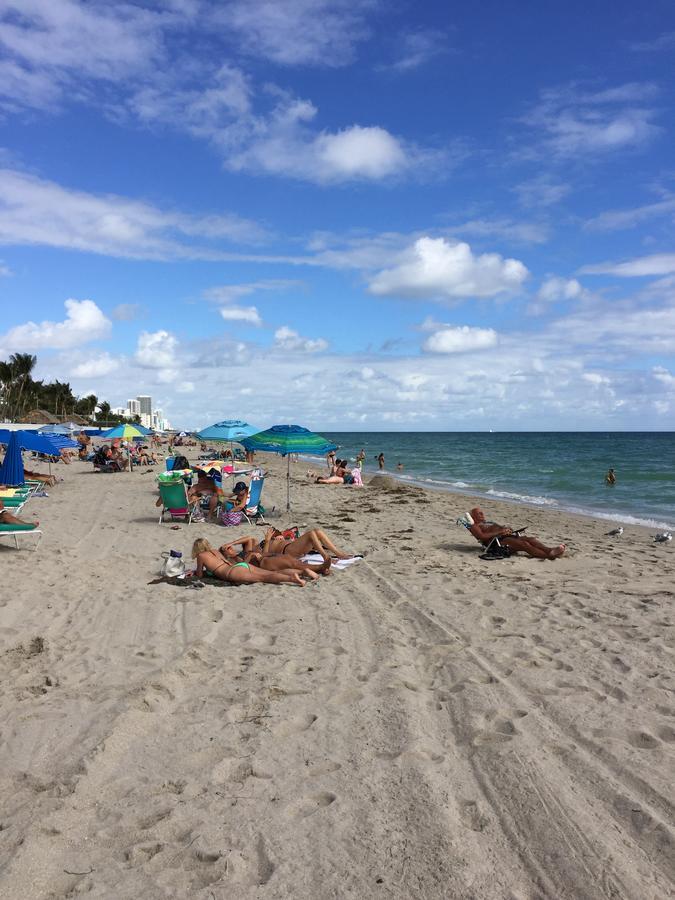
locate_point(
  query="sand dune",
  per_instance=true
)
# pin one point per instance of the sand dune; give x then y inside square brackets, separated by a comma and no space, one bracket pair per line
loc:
[424,724]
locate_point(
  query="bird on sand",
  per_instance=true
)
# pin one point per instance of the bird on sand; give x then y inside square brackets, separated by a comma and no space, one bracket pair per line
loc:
[663,538]
[615,532]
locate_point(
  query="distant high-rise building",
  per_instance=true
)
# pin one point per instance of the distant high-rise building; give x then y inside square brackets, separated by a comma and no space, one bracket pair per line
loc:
[146,404]
[134,408]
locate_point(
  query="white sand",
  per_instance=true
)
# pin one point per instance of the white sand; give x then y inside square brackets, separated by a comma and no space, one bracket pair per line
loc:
[424,724]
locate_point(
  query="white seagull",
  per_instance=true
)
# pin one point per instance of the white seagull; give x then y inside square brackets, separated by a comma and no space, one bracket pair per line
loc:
[615,532]
[663,538]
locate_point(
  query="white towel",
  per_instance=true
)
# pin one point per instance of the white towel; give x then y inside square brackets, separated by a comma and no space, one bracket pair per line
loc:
[315,559]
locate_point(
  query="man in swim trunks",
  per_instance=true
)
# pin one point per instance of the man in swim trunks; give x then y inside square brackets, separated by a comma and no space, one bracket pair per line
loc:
[485,531]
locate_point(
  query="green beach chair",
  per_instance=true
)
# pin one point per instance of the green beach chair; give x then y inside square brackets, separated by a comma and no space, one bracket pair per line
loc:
[173,493]
[17,531]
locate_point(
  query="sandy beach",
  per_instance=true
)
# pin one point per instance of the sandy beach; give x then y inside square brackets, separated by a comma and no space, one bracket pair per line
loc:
[424,724]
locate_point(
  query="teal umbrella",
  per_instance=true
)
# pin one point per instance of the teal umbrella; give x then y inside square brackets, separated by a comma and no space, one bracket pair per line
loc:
[286,440]
[230,430]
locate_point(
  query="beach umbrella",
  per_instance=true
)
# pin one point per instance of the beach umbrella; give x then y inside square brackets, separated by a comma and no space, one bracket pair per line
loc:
[11,470]
[56,429]
[230,431]
[125,431]
[49,444]
[286,440]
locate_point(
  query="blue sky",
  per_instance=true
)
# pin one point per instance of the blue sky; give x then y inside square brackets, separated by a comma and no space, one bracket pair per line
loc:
[351,215]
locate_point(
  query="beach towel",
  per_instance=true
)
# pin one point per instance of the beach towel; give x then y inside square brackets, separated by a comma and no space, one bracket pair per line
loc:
[316,559]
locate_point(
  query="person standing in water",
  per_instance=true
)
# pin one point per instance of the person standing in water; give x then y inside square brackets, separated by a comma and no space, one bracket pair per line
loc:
[361,458]
[610,477]
[380,461]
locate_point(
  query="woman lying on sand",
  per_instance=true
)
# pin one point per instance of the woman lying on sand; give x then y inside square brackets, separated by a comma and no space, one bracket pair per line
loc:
[211,562]
[485,531]
[313,541]
[247,549]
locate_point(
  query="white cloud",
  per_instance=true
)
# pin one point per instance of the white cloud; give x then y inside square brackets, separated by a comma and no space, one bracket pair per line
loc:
[657,264]
[554,288]
[156,350]
[316,32]
[436,269]
[241,314]
[613,220]
[541,191]
[227,293]
[287,339]
[33,211]
[84,322]
[417,48]
[126,312]
[97,366]
[5,271]
[504,228]
[574,121]
[596,379]
[462,339]
[664,376]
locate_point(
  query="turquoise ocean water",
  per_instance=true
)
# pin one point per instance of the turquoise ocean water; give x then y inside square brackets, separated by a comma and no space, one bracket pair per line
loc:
[563,470]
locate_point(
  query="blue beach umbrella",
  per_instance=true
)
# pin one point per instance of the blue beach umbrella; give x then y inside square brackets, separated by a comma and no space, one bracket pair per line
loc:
[49,444]
[231,431]
[286,440]
[55,429]
[11,470]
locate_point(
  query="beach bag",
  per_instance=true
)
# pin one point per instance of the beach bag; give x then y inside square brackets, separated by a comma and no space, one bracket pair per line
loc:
[231,517]
[172,565]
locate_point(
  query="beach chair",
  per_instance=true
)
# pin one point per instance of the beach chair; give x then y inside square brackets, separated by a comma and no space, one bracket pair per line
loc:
[17,531]
[254,510]
[492,549]
[174,499]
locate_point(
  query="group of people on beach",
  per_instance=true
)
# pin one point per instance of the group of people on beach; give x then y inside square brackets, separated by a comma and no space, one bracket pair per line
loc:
[274,560]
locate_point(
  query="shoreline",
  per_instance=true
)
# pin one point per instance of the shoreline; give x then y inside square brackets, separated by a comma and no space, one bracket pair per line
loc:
[552,503]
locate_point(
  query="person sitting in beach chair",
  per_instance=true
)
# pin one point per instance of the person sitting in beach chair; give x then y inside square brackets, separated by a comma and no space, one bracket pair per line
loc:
[206,486]
[211,562]
[486,532]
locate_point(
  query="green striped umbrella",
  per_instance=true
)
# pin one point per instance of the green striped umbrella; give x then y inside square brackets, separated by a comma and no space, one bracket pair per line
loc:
[286,440]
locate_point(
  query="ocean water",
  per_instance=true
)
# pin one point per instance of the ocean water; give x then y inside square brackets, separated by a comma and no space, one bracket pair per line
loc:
[561,470]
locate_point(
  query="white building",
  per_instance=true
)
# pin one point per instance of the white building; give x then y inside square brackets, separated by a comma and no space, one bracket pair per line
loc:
[133,409]
[145,403]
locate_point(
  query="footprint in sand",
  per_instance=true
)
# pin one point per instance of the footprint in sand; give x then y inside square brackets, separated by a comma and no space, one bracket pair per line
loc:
[312,804]
[295,725]
[472,817]
[643,740]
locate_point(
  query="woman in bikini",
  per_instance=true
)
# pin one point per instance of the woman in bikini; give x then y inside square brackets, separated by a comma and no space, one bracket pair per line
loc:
[211,562]
[248,550]
[313,541]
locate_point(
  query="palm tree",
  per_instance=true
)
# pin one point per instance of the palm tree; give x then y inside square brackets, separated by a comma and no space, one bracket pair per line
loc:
[22,365]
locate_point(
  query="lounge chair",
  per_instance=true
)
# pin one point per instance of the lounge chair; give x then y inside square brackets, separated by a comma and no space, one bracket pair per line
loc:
[492,549]
[17,531]
[174,499]
[254,510]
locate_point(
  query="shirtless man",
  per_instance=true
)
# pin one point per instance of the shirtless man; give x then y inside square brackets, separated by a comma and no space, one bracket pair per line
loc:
[485,531]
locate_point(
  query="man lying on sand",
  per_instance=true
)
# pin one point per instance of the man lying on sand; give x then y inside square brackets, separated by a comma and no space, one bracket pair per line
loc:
[485,531]
[247,549]
[211,562]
